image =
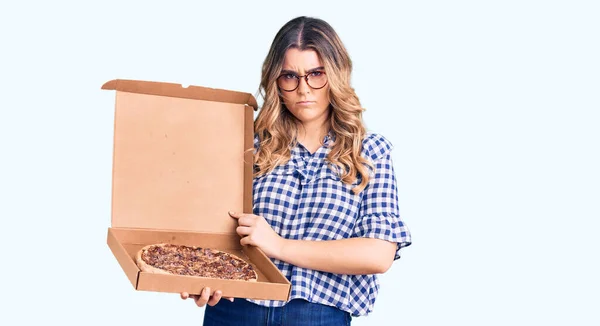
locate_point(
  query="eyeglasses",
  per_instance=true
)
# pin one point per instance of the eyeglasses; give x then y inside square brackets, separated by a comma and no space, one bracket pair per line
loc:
[289,82]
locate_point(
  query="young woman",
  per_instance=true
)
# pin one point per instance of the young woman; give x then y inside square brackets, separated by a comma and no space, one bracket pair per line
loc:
[325,197]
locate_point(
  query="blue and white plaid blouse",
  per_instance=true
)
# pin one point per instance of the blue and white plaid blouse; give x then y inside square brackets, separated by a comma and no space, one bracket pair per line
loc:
[305,199]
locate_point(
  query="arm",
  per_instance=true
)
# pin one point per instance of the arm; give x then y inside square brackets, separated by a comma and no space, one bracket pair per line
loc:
[344,256]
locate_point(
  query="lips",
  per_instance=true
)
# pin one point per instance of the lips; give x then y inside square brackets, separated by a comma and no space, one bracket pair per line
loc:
[305,102]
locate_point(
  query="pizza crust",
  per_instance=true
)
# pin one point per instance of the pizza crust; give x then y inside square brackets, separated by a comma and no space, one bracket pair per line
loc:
[144,267]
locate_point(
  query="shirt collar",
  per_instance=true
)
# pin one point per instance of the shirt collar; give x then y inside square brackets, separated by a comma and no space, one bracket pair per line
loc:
[328,138]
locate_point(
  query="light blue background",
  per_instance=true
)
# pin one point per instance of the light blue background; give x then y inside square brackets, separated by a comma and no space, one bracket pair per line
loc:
[492,107]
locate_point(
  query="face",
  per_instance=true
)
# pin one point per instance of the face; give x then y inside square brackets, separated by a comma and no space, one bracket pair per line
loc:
[307,104]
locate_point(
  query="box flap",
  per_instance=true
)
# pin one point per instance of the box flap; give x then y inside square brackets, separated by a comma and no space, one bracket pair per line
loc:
[177,90]
[182,157]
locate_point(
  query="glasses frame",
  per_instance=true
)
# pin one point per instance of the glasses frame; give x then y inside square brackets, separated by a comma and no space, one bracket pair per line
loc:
[305,77]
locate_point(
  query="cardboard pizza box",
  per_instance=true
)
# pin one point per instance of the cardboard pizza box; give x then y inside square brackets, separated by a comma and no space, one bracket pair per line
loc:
[182,159]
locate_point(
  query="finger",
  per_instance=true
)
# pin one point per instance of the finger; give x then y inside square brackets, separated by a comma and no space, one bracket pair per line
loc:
[214,299]
[228,298]
[203,298]
[243,230]
[184,295]
[235,215]
[247,220]
[246,241]
[243,218]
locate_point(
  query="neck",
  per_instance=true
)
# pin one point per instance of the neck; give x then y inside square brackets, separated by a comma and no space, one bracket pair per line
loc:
[312,132]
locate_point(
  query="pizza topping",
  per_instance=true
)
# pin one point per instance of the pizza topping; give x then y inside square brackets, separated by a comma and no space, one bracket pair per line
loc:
[194,261]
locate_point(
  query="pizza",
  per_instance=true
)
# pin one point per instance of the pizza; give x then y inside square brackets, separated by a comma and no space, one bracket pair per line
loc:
[165,258]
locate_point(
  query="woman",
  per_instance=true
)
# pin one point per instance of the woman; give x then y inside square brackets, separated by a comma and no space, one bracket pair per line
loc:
[325,198]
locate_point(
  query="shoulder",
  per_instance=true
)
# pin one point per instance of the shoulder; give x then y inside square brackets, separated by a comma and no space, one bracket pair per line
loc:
[376,146]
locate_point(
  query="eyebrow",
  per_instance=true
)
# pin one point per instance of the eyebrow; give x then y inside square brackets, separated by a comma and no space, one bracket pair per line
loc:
[285,71]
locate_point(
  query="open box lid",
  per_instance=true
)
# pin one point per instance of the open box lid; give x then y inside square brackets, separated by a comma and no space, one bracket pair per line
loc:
[182,156]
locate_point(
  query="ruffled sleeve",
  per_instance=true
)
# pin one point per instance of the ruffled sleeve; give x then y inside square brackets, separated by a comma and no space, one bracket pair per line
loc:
[379,215]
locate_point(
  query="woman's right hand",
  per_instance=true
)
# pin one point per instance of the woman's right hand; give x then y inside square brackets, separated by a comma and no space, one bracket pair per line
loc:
[205,297]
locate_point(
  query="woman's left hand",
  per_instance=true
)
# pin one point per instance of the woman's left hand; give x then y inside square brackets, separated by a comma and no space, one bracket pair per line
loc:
[256,231]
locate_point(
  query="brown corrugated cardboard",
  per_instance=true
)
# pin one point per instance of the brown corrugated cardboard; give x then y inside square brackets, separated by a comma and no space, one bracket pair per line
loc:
[182,159]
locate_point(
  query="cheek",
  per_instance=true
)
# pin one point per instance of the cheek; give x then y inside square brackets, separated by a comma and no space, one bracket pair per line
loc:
[324,98]
[287,101]
[324,95]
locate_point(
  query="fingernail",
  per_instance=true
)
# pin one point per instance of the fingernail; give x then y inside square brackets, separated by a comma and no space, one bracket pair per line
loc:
[231,299]
[231,213]
[206,290]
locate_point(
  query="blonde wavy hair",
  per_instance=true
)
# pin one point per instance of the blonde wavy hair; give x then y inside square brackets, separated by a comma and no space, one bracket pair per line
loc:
[277,128]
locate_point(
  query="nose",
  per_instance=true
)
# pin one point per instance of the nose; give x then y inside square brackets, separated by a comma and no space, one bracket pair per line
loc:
[303,86]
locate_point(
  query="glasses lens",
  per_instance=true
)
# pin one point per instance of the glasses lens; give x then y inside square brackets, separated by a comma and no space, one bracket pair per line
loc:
[287,82]
[317,79]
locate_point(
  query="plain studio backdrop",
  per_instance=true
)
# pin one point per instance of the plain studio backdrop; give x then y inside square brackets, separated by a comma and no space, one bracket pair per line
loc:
[492,107]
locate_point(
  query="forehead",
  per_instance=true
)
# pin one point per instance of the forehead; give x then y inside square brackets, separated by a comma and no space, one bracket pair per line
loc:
[301,61]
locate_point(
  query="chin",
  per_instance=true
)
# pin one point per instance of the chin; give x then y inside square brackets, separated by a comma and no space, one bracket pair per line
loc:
[306,117]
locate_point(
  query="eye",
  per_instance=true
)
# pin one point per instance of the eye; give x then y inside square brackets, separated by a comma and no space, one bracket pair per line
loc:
[289,76]
[316,74]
